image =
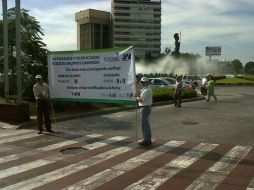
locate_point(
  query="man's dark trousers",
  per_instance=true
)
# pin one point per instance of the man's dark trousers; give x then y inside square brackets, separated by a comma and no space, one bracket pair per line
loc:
[43,110]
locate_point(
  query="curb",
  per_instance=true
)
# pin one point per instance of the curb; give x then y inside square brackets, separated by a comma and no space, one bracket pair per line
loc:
[102,112]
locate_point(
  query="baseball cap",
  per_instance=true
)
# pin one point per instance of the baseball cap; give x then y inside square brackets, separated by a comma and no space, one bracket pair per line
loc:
[38,76]
[144,79]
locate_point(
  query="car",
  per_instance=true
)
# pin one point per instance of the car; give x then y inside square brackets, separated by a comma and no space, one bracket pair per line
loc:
[173,81]
[192,79]
[160,83]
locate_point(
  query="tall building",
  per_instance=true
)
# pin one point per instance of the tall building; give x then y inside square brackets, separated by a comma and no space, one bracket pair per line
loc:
[93,29]
[137,23]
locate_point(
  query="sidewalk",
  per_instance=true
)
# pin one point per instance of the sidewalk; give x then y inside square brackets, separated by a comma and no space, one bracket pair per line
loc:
[33,121]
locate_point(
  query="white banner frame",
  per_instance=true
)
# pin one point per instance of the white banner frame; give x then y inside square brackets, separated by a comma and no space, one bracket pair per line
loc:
[104,76]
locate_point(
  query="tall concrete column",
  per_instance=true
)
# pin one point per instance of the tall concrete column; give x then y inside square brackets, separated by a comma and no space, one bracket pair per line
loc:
[18,52]
[5,50]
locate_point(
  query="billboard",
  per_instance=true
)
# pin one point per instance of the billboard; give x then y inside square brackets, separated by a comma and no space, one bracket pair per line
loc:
[106,75]
[215,50]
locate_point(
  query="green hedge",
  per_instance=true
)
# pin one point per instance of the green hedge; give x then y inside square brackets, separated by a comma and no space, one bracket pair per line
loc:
[234,81]
[166,94]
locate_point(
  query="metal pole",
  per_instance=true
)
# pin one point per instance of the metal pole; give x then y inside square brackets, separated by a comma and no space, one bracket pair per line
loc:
[18,52]
[5,44]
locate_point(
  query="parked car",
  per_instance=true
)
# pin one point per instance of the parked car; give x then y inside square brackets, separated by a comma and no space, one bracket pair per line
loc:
[160,83]
[173,81]
[189,79]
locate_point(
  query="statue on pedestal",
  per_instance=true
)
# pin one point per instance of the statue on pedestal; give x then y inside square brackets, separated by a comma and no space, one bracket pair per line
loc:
[176,52]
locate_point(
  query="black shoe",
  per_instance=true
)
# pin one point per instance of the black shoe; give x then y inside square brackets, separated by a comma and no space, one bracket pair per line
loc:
[40,132]
[207,100]
[178,106]
[51,131]
[145,143]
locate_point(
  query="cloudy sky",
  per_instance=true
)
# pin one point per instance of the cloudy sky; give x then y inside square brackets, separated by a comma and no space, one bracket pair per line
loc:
[225,23]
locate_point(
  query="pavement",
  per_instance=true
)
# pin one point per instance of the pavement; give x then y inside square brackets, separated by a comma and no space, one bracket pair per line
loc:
[98,161]
[113,162]
[33,121]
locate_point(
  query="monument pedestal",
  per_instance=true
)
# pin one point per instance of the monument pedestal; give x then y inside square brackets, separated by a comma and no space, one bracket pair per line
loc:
[14,113]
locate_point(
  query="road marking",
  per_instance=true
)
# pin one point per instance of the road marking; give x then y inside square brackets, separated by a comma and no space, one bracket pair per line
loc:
[109,174]
[73,168]
[104,142]
[21,137]
[49,147]
[14,132]
[217,172]
[24,167]
[9,158]
[251,185]
[69,142]
[155,179]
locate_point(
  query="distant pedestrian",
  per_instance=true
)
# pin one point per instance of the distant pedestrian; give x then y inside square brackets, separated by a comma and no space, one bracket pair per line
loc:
[41,94]
[210,88]
[145,100]
[177,97]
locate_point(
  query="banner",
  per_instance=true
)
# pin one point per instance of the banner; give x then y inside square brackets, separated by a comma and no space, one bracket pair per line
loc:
[106,75]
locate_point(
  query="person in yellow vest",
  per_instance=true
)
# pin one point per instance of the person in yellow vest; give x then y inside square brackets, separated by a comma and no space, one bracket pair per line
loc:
[41,94]
[210,88]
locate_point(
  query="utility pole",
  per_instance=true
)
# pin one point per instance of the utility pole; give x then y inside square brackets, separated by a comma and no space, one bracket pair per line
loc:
[18,53]
[5,44]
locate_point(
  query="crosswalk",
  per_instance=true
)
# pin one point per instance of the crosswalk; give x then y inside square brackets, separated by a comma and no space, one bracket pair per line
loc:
[31,161]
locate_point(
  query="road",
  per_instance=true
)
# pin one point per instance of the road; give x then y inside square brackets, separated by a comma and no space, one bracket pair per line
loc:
[202,145]
[227,121]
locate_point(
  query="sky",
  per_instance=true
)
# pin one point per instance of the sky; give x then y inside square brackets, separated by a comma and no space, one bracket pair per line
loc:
[224,23]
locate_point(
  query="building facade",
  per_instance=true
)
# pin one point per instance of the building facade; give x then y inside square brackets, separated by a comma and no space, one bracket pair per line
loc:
[137,23]
[93,29]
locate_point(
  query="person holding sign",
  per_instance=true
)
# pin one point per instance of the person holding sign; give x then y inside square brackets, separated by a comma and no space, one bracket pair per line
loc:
[145,100]
[41,94]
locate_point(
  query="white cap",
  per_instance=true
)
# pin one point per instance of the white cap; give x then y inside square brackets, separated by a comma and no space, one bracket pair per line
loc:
[144,79]
[38,77]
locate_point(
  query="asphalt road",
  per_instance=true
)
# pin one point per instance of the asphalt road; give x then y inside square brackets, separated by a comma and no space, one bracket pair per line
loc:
[230,120]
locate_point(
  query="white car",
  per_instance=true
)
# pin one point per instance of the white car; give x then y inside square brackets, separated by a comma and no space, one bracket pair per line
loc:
[160,83]
[173,82]
[192,78]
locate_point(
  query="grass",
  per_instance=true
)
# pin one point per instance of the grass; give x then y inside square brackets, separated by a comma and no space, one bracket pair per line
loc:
[166,94]
[234,81]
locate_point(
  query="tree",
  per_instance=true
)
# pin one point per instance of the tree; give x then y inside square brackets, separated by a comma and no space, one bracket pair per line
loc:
[249,68]
[236,66]
[167,50]
[33,51]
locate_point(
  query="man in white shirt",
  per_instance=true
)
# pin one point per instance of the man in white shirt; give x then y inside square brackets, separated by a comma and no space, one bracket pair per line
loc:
[41,94]
[145,100]
[177,97]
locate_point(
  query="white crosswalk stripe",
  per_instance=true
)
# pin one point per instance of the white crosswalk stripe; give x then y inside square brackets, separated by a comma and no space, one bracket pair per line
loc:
[220,169]
[68,142]
[21,137]
[251,185]
[23,167]
[102,149]
[49,147]
[104,176]
[154,180]
[17,132]
[65,171]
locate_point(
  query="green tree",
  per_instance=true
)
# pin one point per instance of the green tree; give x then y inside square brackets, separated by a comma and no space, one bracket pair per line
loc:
[167,50]
[249,67]
[236,66]
[33,51]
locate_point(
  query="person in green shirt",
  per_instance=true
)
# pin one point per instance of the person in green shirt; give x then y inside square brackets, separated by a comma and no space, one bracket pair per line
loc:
[210,88]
